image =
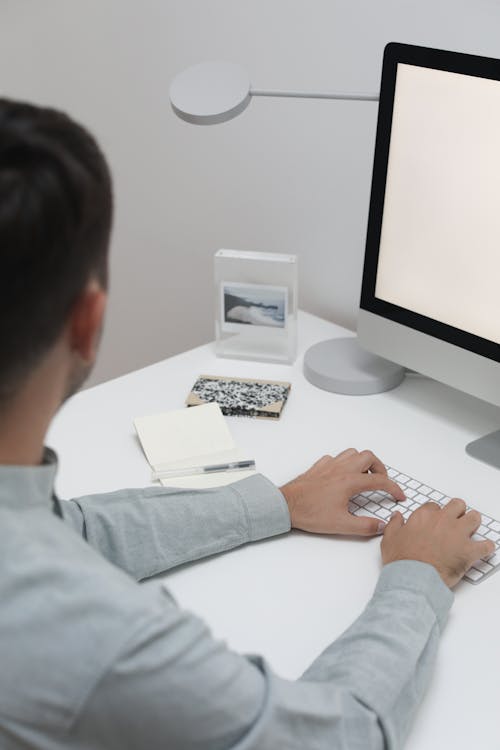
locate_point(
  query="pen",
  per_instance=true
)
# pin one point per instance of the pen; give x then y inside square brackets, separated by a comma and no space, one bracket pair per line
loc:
[211,469]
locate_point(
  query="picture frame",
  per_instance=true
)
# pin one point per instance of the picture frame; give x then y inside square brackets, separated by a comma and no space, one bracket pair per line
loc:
[256,305]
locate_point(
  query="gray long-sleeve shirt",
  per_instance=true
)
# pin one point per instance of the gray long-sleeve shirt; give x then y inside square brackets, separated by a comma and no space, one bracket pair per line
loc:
[91,660]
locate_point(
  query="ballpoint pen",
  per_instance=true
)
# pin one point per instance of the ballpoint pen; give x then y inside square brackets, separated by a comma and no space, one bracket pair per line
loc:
[211,469]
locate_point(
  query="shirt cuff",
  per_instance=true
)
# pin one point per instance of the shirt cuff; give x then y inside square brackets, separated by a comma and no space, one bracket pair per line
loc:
[419,578]
[266,508]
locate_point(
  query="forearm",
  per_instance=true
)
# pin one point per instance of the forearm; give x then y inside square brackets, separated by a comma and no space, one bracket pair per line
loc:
[176,686]
[151,530]
[386,657]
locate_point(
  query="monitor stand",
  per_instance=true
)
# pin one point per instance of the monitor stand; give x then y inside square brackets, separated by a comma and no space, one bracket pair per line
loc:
[486,449]
[343,366]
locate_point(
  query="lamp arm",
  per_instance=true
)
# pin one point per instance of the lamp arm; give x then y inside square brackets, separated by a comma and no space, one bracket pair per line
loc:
[315,95]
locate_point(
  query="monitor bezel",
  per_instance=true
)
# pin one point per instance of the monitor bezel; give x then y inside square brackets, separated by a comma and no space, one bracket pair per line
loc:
[454,62]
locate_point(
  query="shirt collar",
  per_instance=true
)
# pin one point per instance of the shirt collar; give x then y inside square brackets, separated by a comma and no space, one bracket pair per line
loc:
[22,486]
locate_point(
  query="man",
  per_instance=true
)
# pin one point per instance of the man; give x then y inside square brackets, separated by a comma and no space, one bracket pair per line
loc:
[91,659]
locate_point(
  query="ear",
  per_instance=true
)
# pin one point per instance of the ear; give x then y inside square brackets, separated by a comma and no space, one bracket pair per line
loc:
[86,321]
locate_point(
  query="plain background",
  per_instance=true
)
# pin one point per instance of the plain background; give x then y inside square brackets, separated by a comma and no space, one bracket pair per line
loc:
[287,176]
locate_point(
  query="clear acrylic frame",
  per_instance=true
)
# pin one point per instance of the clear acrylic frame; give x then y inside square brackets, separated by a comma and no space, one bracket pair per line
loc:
[256,305]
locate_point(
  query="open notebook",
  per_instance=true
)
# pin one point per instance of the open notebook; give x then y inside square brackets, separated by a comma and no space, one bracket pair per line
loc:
[185,438]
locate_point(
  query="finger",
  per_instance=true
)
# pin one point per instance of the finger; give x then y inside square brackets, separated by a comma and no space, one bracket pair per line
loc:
[396,522]
[324,460]
[363,526]
[368,461]
[481,549]
[471,521]
[345,454]
[455,508]
[366,482]
[429,507]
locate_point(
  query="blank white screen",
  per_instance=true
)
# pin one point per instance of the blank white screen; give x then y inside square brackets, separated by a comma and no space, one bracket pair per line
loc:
[440,241]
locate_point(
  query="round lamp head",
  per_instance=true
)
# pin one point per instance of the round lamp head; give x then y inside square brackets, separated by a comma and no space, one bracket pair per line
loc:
[210,93]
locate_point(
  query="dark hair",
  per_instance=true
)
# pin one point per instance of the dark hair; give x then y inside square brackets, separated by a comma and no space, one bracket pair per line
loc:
[55,221]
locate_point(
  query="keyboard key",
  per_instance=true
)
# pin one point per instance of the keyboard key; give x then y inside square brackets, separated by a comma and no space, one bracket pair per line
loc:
[383,513]
[437,496]
[392,473]
[486,520]
[420,499]
[387,502]
[473,574]
[483,566]
[493,559]
[360,500]
[371,506]
[386,496]
[413,484]
[483,530]
[495,526]
[401,479]
[365,513]
[424,490]
[493,536]
[410,493]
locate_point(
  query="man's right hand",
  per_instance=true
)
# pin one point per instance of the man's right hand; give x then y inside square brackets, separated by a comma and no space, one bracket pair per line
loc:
[438,536]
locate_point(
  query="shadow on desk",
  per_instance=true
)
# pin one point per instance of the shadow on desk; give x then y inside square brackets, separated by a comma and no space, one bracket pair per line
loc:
[446,403]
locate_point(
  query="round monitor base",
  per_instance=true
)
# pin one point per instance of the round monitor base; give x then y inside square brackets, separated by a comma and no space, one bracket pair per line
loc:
[486,449]
[342,366]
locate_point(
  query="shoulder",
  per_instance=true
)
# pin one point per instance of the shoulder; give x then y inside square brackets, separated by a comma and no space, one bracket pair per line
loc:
[66,615]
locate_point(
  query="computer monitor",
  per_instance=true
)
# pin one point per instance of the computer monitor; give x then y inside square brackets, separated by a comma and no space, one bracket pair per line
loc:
[430,295]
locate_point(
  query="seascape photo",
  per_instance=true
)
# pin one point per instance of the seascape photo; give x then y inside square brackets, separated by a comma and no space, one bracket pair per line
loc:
[253,305]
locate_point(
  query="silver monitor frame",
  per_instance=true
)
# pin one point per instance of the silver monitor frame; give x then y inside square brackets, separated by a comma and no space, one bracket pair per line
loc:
[454,357]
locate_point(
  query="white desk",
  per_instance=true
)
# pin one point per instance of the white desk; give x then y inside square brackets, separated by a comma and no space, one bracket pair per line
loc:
[305,590]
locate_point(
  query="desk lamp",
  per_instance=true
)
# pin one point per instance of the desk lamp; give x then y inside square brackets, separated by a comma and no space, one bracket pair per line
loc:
[215,92]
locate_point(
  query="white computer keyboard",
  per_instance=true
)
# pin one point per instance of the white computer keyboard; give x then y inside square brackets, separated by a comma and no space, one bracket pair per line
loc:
[381,505]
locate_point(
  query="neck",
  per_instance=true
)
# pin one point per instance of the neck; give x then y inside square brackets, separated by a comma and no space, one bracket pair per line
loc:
[21,442]
[25,419]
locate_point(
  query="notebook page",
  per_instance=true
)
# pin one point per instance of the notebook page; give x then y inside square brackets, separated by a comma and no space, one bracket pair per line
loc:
[182,437]
[198,436]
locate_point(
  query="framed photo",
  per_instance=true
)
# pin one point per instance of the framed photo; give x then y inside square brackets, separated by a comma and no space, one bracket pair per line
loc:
[255,305]
[245,305]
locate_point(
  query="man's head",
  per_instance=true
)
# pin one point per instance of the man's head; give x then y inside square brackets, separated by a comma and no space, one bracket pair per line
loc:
[55,220]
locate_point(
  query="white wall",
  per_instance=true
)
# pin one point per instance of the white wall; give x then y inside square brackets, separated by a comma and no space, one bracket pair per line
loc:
[288,175]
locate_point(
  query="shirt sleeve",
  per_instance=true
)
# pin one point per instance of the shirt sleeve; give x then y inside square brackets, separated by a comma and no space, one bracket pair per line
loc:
[175,686]
[151,530]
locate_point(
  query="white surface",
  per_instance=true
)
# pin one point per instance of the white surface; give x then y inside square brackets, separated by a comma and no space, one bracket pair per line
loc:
[292,595]
[288,176]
